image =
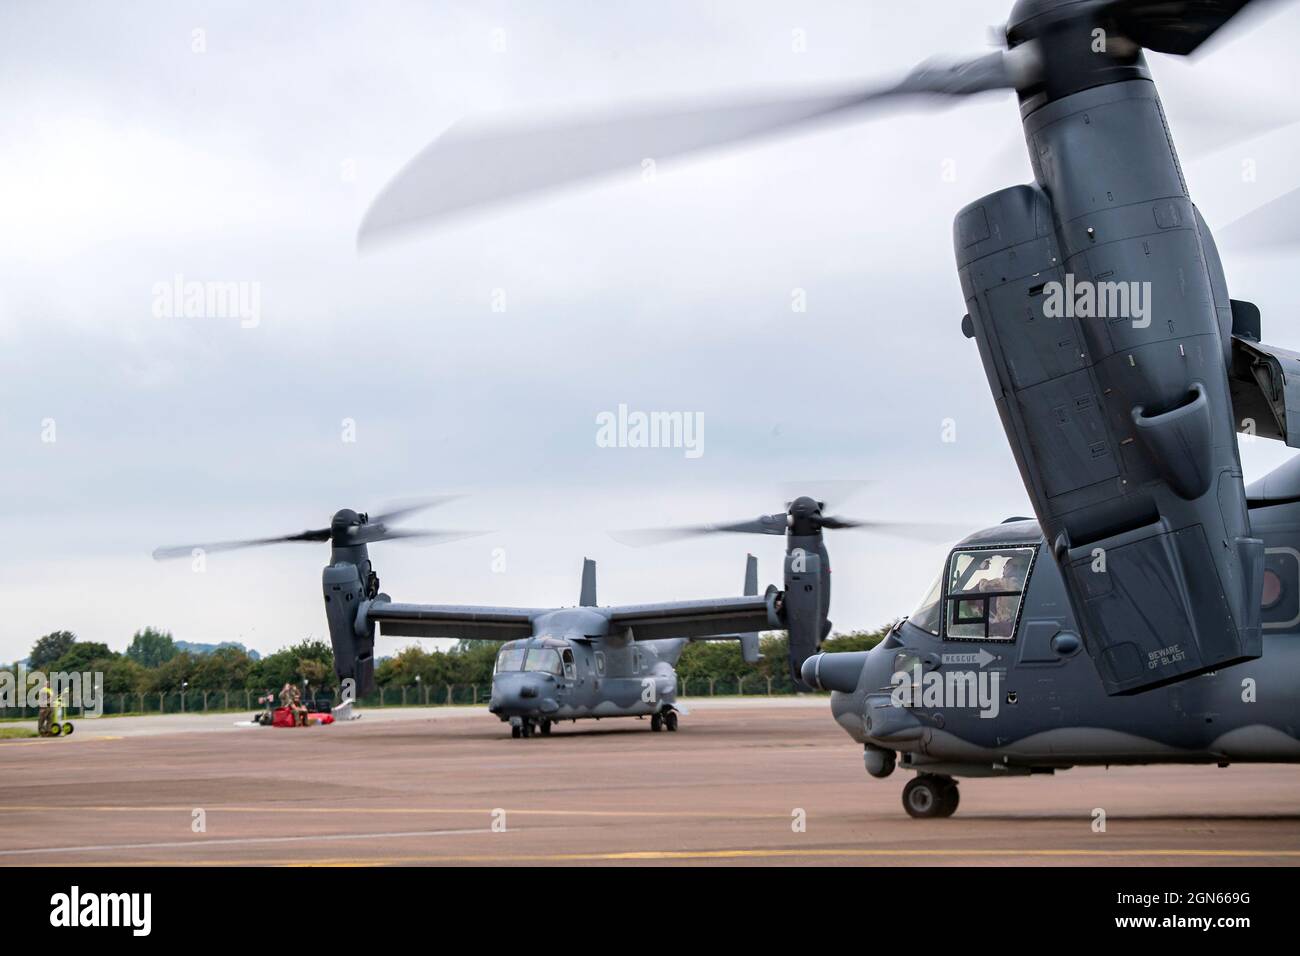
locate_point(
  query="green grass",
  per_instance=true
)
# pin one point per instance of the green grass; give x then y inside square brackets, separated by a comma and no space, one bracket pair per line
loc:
[16,733]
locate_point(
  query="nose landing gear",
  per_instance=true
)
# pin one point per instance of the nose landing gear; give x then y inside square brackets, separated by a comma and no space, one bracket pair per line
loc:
[929,795]
[527,726]
[664,720]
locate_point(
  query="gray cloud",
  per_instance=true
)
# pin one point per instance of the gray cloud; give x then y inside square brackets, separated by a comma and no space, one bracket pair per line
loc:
[129,159]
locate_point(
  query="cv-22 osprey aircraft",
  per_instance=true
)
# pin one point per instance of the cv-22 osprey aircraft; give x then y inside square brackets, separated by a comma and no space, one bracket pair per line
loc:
[1148,550]
[986,678]
[567,663]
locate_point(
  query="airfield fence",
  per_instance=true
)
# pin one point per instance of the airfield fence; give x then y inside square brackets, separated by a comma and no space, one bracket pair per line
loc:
[411,695]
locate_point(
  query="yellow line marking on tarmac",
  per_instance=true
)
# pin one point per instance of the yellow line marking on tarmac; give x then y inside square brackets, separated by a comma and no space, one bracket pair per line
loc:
[40,742]
[634,856]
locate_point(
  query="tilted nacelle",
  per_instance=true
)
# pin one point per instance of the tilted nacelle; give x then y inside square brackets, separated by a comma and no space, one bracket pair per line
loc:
[1121,425]
[352,633]
[806,598]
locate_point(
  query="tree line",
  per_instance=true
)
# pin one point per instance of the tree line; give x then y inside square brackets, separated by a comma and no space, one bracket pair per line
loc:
[153,664]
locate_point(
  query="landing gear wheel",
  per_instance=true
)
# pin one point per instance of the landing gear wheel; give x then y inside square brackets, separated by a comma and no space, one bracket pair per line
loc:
[951,797]
[516,731]
[546,728]
[929,795]
[657,722]
[526,728]
[67,728]
[670,721]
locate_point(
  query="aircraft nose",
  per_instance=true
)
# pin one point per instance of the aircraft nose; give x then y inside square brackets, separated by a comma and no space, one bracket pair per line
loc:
[836,671]
[514,692]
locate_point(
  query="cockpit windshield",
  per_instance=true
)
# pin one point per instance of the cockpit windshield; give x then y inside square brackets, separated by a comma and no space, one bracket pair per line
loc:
[510,659]
[545,660]
[985,586]
[926,617]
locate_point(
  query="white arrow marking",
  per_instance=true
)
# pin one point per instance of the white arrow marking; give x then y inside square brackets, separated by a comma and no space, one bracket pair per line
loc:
[981,658]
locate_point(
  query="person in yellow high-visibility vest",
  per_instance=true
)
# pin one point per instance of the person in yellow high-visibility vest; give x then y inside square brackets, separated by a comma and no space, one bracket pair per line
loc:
[45,716]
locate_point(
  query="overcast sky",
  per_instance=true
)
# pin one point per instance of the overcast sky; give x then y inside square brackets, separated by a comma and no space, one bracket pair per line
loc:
[242,142]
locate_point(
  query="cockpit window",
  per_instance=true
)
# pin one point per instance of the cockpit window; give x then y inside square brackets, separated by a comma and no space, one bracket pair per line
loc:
[926,616]
[1281,597]
[510,659]
[545,660]
[984,590]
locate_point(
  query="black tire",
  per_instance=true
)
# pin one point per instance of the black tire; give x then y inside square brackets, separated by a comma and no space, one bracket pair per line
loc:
[670,721]
[656,722]
[925,796]
[67,728]
[516,731]
[56,729]
[546,728]
[951,797]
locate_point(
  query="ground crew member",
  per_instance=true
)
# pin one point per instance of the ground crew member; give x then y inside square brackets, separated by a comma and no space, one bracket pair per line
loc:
[45,717]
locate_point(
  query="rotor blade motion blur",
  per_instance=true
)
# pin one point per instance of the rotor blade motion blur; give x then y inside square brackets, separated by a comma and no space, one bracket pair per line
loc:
[348,529]
[779,524]
[643,537]
[187,550]
[1173,26]
[476,165]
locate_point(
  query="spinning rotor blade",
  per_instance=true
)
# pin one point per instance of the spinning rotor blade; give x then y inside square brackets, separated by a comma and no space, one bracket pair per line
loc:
[404,508]
[779,524]
[369,534]
[930,532]
[358,530]
[475,165]
[639,538]
[1172,26]
[837,490]
[185,550]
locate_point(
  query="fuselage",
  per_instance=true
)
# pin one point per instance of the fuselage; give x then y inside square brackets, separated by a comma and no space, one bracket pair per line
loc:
[1032,699]
[572,668]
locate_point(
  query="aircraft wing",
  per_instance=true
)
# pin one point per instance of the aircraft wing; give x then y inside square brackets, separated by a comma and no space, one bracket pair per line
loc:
[696,619]
[458,622]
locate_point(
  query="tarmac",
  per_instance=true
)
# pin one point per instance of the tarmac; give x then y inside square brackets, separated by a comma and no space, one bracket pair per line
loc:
[746,781]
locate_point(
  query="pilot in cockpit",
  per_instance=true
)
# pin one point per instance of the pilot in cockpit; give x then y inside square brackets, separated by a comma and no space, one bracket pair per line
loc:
[1002,609]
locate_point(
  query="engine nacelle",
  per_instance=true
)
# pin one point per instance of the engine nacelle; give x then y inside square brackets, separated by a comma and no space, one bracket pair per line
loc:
[351,633]
[1122,431]
[803,608]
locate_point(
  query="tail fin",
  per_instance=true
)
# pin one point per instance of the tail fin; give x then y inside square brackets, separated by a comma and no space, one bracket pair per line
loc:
[588,596]
[749,642]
